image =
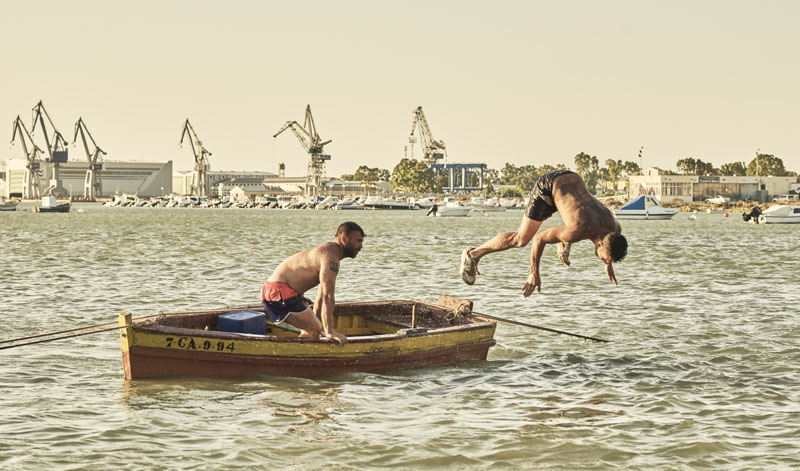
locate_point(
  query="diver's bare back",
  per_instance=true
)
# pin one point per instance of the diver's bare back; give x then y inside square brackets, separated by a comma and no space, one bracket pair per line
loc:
[301,270]
[581,211]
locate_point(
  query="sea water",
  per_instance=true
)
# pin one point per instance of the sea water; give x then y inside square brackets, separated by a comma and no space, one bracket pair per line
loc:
[701,371]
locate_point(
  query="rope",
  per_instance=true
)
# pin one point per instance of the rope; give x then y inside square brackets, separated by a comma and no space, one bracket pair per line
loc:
[69,330]
[462,309]
[63,337]
[49,334]
[586,337]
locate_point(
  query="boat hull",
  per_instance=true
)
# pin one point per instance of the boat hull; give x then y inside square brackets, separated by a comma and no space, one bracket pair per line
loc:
[151,351]
[645,216]
[389,207]
[782,219]
[61,208]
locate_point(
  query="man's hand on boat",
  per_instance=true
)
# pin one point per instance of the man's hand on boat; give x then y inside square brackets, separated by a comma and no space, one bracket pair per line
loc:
[341,338]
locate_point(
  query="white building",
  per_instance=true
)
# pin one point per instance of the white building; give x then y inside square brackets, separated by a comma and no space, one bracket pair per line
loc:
[182,181]
[139,178]
[699,187]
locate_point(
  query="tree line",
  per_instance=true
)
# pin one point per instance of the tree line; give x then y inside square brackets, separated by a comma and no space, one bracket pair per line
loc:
[416,176]
[762,164]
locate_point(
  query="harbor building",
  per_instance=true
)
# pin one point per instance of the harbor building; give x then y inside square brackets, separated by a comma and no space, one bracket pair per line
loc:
[688,188]
[294,186]
[182,181]
[144,179]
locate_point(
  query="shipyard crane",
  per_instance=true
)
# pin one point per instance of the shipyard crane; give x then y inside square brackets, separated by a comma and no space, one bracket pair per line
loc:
[201,165]
[33,172]
[92,186]
[56,147]
[432,150]
[313,144]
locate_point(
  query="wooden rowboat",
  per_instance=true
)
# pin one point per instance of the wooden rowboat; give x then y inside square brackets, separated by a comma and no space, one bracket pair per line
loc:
[381,335]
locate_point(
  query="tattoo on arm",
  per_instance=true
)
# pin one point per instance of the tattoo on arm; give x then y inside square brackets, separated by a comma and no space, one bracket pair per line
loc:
[334,267]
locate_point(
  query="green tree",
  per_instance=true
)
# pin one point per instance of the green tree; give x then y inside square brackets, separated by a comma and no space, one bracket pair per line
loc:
[767,164]
[687,166]
[588,167]
[690,166]
[414,175]
[509,174]
[615,170]
[733,168]
[632,168]
[370,175]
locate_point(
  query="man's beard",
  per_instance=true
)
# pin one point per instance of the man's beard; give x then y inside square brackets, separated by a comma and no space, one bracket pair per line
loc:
[350,251]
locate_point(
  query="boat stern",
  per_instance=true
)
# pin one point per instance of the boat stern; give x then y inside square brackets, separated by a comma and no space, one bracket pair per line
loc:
[126,340]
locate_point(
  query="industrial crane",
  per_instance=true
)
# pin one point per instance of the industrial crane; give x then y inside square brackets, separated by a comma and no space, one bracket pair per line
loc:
[56,150]
[201,165]
[33,172]
[92,186]
[313,144]
[432,150]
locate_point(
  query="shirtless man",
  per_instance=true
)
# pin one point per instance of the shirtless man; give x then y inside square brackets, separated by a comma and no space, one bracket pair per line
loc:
[282,293]
[584,218]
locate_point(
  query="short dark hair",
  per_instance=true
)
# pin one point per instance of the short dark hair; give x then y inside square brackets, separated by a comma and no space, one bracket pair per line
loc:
[617,245]
[348,227]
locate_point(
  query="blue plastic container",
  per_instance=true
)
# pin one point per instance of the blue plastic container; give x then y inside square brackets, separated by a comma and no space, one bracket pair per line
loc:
[243,322]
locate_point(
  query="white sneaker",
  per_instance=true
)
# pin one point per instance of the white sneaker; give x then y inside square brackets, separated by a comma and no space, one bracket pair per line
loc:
[469,267]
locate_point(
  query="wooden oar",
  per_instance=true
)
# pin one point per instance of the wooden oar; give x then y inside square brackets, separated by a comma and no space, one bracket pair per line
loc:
[539,327]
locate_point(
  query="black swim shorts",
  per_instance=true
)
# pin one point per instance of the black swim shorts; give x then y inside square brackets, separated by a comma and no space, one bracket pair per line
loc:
[541,205]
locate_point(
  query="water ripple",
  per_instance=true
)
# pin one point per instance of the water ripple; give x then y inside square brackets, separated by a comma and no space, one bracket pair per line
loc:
[701,371]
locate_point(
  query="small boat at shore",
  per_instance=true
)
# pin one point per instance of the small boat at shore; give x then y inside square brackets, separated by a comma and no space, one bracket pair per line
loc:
[644,207]
[8,205]
[781,214]
[381,335]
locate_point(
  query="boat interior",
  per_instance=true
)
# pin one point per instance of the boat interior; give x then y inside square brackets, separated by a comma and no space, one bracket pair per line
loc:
[350,319]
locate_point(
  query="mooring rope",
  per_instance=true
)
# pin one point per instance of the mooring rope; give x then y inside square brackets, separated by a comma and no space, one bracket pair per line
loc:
[60,338]
[59,332]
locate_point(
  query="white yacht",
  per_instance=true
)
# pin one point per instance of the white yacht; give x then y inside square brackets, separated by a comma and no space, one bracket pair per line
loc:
[645,207]
[452,208]
[782,214]
[350,203]
[377,202]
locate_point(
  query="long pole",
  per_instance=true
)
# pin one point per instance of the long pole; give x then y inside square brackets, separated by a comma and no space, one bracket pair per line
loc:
[540,327]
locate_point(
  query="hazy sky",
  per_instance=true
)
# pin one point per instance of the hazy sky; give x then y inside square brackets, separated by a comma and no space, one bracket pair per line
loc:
[526,82]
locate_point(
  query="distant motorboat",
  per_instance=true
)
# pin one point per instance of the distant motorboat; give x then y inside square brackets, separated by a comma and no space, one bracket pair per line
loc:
[376,202]
[782,214]
[453,209]
[350,203]
[328,203]
[50,205]
[645,207]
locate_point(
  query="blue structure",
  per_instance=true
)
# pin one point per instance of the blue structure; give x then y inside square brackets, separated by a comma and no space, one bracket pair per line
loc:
[463,181]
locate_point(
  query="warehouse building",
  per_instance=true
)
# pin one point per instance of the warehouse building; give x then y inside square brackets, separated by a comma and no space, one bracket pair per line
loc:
[143,179]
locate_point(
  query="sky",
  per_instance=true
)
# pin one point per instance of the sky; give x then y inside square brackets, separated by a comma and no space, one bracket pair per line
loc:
[521,82]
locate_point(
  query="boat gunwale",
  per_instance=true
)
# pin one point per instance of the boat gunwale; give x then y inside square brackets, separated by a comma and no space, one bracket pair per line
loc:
[150,325]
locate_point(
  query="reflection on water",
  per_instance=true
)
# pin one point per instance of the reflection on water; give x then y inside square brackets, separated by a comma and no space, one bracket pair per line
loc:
[701,371]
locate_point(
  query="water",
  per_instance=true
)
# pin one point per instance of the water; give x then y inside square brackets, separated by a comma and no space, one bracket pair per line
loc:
[701,374]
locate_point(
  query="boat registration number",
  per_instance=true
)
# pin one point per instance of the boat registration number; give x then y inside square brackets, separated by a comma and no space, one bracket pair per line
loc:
[189,343]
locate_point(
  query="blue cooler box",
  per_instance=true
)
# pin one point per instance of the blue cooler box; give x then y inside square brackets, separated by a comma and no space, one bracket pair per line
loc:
[243,322]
